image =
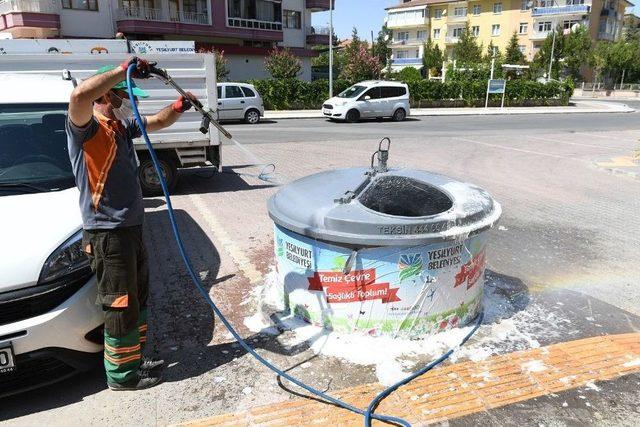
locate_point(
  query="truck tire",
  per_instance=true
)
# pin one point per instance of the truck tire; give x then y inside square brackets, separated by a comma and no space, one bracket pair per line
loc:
[149,181]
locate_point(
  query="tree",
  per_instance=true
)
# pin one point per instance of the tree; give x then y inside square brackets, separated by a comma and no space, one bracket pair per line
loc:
[432,57]
[361,66]
[492,51]
[513,55]
[599,58]
[570,53]
[282,64]
[353,48]
[222,65]
[409,74]
[467,51]
[381,49]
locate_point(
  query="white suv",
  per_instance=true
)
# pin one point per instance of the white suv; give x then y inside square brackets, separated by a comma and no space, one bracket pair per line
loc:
[239,101]
[50,325]
[370,99]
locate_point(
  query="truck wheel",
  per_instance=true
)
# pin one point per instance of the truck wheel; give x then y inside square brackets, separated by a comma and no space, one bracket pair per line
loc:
[149,181]
[399,115]
[352,116]
[252,117]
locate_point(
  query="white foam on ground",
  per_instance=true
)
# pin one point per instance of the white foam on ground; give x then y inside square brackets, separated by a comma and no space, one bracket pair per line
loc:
[632,363]
[533,366]
[505,330]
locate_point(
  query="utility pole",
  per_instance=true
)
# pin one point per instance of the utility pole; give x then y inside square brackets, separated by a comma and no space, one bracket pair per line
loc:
[493,63]
[553,44]
[331,48]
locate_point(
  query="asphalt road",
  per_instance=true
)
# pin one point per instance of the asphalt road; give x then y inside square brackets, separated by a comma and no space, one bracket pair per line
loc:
[565,257]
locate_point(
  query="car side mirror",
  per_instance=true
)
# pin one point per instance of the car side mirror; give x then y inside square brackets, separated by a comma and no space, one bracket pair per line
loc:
[367,98]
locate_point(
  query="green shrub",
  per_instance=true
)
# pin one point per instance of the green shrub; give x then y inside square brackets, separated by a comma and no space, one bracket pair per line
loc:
[295,94]
[409,74]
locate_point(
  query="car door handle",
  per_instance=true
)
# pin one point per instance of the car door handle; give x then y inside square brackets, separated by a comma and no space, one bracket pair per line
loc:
[241,102]
[219,103]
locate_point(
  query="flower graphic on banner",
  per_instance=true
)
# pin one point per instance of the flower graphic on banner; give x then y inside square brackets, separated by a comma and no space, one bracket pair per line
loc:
[409,265]
[279,247]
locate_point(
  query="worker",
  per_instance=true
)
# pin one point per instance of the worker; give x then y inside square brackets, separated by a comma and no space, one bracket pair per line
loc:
[100,129]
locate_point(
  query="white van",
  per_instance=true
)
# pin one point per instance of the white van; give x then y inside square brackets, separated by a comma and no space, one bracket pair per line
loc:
[50,325]
[369,99]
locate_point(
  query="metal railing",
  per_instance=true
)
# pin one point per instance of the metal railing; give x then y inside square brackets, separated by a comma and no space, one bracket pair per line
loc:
[561,10]
[457,18]
[539,35]
[254,23]
[316,30]
[411,41]
[586,86]
[606,36]
[451,39]
[37,6]
[149,14]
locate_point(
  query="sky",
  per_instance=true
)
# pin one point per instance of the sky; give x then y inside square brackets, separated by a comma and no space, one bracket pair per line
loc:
[367,15]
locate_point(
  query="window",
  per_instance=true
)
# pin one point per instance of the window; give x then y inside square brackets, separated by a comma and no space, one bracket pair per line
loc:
[497,8]
[401,54]
[525,5]
[374,93]
[522,48]
[352,92]
[477,9]
[475,30]
[291,19]
[83,4]
[260,10]
[219,92]
[402,35]
[494,50]
[392,92]
[457,32]
[436,33]
[233,92]
[438,14]
[572,2]
[248,92]
[568,24]
[495,30]
[524,27]
[422,35]
[460,11]
[544,26]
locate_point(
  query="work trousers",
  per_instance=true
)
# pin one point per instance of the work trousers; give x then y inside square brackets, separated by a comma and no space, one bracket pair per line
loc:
[119,259]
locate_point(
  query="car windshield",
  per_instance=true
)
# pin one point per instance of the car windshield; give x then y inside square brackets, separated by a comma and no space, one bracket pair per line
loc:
[352,92]
[33,149]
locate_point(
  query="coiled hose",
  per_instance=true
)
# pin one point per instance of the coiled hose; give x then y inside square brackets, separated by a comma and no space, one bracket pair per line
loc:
[368,414]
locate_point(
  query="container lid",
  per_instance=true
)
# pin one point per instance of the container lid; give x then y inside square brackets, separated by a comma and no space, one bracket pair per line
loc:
[383,207]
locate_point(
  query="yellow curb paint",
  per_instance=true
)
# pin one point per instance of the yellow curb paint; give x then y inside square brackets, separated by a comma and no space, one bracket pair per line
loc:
[239,257]
[464,388]
[619,162]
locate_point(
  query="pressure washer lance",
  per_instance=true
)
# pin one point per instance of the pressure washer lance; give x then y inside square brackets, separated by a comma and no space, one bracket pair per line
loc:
[207,119]
[369,412]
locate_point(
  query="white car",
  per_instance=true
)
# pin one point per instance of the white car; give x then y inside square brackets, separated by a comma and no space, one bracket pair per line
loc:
[239,101]
[369,99]
[50,325]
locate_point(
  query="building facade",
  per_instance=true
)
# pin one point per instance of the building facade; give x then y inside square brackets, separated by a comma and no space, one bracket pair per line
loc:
[246,30]
[494,21]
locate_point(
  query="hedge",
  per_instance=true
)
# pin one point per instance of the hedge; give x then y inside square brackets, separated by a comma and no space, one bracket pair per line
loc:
[294,94]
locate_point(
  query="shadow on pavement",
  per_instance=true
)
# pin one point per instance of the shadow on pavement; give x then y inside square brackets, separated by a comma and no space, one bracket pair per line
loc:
[207,180]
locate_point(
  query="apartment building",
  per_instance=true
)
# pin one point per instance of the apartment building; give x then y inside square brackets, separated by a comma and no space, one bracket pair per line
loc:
[245,29]
[631,23]
[494,21]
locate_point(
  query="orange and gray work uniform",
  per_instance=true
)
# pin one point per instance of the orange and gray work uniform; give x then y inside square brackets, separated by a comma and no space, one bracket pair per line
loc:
[105,167]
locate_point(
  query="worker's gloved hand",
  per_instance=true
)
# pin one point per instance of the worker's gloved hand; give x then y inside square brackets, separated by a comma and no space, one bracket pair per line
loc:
[183,104]
[142,67]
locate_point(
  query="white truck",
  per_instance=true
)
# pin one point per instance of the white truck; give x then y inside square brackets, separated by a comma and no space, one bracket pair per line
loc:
[180,146]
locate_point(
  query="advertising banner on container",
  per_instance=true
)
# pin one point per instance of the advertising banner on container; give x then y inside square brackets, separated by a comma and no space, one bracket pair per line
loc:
[407,291]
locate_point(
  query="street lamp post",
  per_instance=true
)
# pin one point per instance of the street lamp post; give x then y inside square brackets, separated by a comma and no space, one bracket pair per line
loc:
[331,48]
[553,47]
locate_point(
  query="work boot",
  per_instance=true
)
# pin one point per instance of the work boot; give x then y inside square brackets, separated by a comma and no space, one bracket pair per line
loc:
[149,363]
[144,379]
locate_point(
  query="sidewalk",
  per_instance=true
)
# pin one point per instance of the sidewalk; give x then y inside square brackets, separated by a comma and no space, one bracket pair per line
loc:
[579,106]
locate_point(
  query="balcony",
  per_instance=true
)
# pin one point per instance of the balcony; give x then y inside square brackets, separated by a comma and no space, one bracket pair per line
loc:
[254,24]
[409,42]
[147,14]
[539,35]
[30,6]
[576,9]
[606,36]
[407,61]
[451,39]
[318,5]
[405,19]
[457,18]
[318,35]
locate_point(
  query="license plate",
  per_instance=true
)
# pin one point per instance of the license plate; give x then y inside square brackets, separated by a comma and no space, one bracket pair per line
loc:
[7,360]
[327,112]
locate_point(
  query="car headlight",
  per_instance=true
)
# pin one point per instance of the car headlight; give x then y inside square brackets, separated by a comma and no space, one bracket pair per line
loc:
[69,258]
[341,104]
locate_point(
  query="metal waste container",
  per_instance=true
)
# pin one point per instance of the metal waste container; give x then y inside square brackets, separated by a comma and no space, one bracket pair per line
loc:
[383,251]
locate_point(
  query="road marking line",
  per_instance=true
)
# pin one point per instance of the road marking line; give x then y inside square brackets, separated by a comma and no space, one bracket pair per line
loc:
[239,258]
[464,388]
[539,153]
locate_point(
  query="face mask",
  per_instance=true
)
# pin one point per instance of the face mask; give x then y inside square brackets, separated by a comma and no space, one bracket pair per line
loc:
[125,110]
